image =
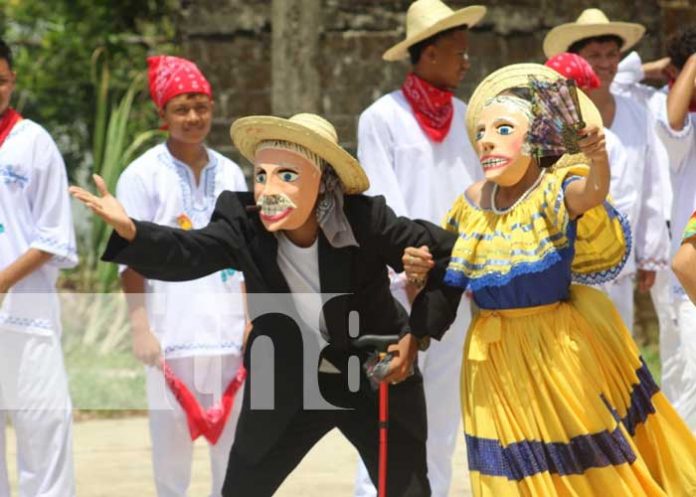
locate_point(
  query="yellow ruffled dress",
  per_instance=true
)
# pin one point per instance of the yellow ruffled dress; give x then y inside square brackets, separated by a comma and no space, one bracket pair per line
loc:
[555,396]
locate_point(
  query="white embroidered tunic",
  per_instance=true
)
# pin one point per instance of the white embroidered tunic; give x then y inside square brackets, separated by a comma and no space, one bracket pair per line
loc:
[204,316]
[34,213]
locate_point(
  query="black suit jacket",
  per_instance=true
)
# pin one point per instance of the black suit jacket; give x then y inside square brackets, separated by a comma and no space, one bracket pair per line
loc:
[236,238]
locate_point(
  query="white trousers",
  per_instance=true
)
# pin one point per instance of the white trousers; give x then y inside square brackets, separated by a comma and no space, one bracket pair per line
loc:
[34,394]
[685,401]
[620,292]
[671,365]
[441,367]
[206,377]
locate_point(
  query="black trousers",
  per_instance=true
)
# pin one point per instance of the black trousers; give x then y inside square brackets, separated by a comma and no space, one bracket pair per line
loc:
[406,465]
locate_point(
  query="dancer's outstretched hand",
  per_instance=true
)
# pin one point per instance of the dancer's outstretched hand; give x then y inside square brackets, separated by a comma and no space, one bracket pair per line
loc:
[106,207]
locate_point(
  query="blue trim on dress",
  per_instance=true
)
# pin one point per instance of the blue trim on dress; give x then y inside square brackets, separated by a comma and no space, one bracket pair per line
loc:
[520,460]
[605,275]
[459,279]
[641,405]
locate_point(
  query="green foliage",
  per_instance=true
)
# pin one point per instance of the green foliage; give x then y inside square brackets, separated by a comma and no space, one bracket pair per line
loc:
[80,66]
[55,42]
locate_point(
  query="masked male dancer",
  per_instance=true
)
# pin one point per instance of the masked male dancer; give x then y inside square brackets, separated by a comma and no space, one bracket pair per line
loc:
[326,248]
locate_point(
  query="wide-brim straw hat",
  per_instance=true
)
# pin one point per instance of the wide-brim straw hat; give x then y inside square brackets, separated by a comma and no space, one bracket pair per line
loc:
[518,76]
[308,130]
[591,23]
[426,18]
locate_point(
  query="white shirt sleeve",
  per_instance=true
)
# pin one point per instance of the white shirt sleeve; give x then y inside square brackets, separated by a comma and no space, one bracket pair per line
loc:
[50,204]
[677,142]
[375,153]
[652,236]
[135,198]
[240,183]
[630,70]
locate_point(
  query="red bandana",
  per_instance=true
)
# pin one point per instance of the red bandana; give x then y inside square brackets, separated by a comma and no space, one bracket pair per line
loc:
[170,76]
[210,422]
[572,66]
[7,121]
[432,106]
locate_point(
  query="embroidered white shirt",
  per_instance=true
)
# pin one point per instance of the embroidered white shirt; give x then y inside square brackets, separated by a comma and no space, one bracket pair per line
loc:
[34,213]
[199,317]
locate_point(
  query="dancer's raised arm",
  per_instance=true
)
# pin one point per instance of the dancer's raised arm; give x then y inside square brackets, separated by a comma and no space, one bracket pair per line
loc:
[170,254]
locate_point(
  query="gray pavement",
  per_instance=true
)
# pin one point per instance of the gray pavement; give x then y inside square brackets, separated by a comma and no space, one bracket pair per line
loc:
[112,459]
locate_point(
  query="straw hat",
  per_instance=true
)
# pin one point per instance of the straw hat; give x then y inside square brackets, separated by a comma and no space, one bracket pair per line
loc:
[591,23]
[426,18]
[514,76]
[308,130]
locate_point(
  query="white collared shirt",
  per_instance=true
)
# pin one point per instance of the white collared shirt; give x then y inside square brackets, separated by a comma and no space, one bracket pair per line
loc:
[199,317]
[34,213]
[419,178]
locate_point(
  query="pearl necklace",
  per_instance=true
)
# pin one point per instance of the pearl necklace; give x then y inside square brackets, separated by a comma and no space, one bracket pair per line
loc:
[494,191]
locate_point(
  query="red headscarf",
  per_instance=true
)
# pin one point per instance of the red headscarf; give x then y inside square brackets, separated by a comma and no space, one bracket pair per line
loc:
[7,121]
[572,66]
[170,76]
[432,106]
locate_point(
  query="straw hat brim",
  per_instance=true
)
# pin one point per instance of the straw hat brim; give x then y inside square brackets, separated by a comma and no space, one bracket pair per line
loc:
[468,16]
[560,38]
[248,132]
[517,75]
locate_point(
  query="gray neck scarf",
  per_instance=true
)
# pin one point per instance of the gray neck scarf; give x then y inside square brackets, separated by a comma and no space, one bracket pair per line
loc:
[332,220]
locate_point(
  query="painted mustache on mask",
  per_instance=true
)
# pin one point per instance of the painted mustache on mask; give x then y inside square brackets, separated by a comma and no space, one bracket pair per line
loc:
[272,205]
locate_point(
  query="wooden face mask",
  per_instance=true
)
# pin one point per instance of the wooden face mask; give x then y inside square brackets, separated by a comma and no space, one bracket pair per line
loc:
[286,187]
[501,140]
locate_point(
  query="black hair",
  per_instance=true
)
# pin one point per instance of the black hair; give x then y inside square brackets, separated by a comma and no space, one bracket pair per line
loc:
[5,53]
[415,51]
[580,44]
[681,46]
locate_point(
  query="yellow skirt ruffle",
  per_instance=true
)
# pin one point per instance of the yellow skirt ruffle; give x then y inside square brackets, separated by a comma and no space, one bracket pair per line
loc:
[557,402]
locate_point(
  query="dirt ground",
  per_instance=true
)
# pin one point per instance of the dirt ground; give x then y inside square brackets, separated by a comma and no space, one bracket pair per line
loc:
[112,459]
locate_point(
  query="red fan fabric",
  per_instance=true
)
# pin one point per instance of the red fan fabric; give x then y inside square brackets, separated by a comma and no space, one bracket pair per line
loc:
[7,121]
[211,422]
[432,106]
[572,66]
[170,76]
